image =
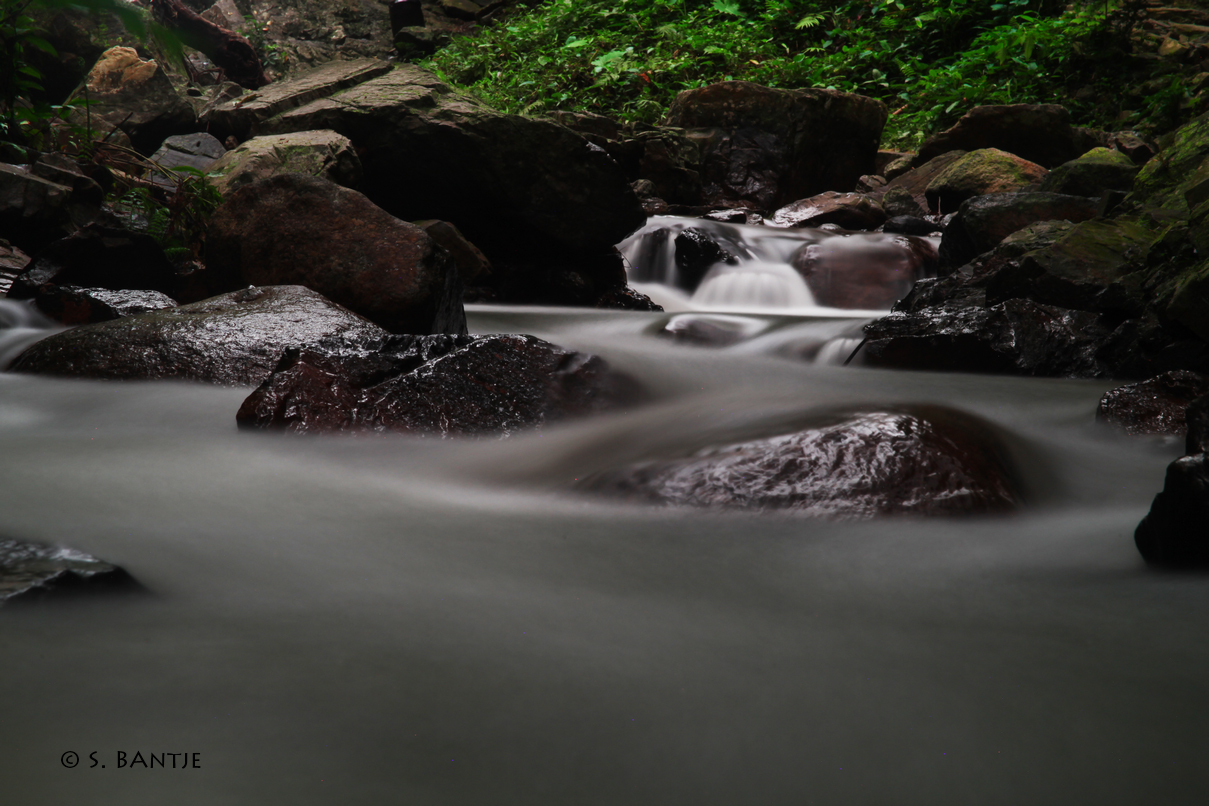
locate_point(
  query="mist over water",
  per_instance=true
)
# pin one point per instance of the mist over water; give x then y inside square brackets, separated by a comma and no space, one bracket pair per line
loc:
[383,619]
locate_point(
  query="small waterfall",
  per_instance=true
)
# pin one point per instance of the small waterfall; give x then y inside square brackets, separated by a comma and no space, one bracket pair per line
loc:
[20,326]
[774,269]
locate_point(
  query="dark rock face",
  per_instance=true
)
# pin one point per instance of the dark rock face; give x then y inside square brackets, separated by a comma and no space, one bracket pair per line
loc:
[299,229]
[922,461]
[72,305]
[1039,133]
[528,192]
[1018,336]
[99,257]
[33,211]
[1173,533]
[32,572]
[767,147]
[914,183]
[696,252]
[235,339]
[627,299]
[870,274]
[909,225]
[1154,406]
[446,385]
[473,265]
[851,211]
[983,222]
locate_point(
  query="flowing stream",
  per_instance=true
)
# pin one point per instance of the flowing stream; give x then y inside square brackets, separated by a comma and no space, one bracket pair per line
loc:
[398,620]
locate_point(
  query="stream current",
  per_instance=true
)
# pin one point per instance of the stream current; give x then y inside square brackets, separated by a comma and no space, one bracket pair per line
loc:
[387,619]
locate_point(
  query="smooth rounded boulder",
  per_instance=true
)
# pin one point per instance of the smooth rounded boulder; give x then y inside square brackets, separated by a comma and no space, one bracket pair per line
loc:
[295,229]
[234,339]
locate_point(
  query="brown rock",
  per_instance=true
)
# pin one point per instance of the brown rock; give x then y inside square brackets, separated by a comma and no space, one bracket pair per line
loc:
[1154,406]
[852,211]
[473,265]
[298,229]
[445,385]
[136,96]
[871,273]
[925,460]
[915,182]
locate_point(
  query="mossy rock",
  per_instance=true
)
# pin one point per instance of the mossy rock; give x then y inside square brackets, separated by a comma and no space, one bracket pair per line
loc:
[987,170]
[1186,299]
[320,153]
[1097,171]
[1159,188]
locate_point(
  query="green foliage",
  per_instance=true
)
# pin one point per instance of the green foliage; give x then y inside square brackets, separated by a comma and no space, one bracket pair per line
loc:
[175,216]
[268,51]
[929,61]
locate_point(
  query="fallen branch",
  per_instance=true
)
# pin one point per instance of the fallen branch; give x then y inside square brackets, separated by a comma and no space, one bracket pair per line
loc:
[227,49]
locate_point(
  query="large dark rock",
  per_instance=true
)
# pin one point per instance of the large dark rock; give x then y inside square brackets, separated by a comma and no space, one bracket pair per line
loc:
[1096,172]
[34,210]
[919,461]
[304,230]
[696,253]
[983,222]
[1039,133]
[914,183]
[1153,406]
[768,147]
[99,257]
[446,385]
[870,273]
[235,339]
[533,195]
[1018,336]
[33,572]
[1174,534]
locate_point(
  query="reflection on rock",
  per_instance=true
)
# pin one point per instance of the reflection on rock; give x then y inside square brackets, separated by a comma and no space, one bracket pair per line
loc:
[31,572]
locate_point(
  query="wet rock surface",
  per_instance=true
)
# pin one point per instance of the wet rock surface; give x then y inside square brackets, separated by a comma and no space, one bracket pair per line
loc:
[439,385]
[921,461]
[1153,406]
[870,274]
[33,572]
[234,339]
[696,253]
[298,229]
[851,211]
[72,305]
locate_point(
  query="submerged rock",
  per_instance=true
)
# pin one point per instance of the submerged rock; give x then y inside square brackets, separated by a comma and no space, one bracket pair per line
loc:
[298,229]
[234,339]
[31,572]
[446,385]
[919,461]
[1153,406]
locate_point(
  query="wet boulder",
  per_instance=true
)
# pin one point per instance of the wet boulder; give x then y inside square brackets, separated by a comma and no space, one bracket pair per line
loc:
[34,572]
[768,147]
[234,339]
[533,195]
[871,273]
[1096,172]
[136,96]
[1039,133]
[1154,406]
[440,385]
[298,229]
[1088,268]
[898,202]
[978,173]
[983,222]
[1173,533]
[98,257]
[72,305]
[914,184]
[916,461]
[696,253]
[1018,336]
[12,262]
[323,153]
[851,211]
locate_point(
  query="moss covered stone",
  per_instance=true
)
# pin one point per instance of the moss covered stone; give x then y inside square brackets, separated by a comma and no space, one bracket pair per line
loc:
[1097,171]
[987,170]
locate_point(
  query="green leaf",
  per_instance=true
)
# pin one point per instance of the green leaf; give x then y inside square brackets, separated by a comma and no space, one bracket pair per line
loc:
[728,7]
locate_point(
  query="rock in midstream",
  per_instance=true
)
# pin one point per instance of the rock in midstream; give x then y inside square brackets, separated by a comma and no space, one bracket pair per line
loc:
[439,384]
[32,572]
[923,460]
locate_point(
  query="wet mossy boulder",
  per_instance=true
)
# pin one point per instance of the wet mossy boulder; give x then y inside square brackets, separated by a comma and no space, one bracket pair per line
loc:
[987,170]
[320,153]
[1094,173]
[983,222]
